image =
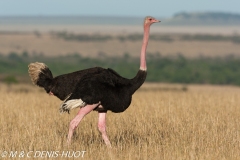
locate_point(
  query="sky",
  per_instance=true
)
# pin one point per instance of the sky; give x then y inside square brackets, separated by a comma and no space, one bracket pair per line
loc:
[138,8]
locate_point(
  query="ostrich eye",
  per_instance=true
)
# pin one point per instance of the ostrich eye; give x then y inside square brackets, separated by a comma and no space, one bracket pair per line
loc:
[150,19]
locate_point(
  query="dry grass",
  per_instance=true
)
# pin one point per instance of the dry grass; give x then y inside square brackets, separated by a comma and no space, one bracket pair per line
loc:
[201,123]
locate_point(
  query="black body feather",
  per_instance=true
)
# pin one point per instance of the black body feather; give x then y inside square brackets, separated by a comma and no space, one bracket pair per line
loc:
[113,91]
[93,85]
[63,85]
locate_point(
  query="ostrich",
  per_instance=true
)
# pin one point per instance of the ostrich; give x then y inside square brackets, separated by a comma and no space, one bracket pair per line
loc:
[91,89]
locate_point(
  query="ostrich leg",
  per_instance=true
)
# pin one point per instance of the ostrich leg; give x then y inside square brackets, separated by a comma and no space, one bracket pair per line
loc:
[102,127]
[74,123]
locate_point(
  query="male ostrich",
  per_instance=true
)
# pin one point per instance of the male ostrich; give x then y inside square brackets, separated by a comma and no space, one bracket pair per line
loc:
[93,89]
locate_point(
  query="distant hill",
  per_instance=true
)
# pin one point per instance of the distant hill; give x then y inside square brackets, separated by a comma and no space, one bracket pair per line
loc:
[182,18]
[204,18]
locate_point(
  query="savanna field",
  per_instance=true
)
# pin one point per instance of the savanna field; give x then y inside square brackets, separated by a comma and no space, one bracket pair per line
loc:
[163,122]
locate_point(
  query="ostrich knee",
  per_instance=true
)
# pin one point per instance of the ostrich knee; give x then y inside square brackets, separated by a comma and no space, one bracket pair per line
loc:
[73,125]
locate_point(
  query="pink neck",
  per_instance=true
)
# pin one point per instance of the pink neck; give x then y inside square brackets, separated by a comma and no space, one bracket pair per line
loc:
[143,65]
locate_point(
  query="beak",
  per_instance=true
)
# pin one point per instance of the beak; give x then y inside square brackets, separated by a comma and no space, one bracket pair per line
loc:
[156,21]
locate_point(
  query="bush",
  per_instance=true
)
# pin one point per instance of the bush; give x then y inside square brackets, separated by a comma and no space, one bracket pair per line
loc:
[160,69]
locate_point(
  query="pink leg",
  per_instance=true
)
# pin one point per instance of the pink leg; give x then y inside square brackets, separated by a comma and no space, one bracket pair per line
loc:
[74,123]
[102,128]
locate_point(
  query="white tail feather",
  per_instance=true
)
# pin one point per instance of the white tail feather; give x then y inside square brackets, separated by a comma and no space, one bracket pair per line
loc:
[66,106]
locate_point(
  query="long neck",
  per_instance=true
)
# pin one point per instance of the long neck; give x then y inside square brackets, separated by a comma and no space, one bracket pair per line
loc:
[143,65]
[138,80]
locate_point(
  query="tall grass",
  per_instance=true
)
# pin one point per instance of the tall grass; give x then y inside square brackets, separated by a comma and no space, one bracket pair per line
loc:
[200,123]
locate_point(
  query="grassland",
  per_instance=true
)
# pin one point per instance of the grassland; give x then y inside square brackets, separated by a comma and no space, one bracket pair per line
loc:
[169,44]
[163,122]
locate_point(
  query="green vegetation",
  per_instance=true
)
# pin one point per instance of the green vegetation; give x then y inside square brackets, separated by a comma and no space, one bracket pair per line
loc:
[160,69]
[156,37]
[10,79]
[81,37]
[208,37]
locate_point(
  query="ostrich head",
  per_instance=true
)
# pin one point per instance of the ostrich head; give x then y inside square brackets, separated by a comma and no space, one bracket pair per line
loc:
[150,20]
